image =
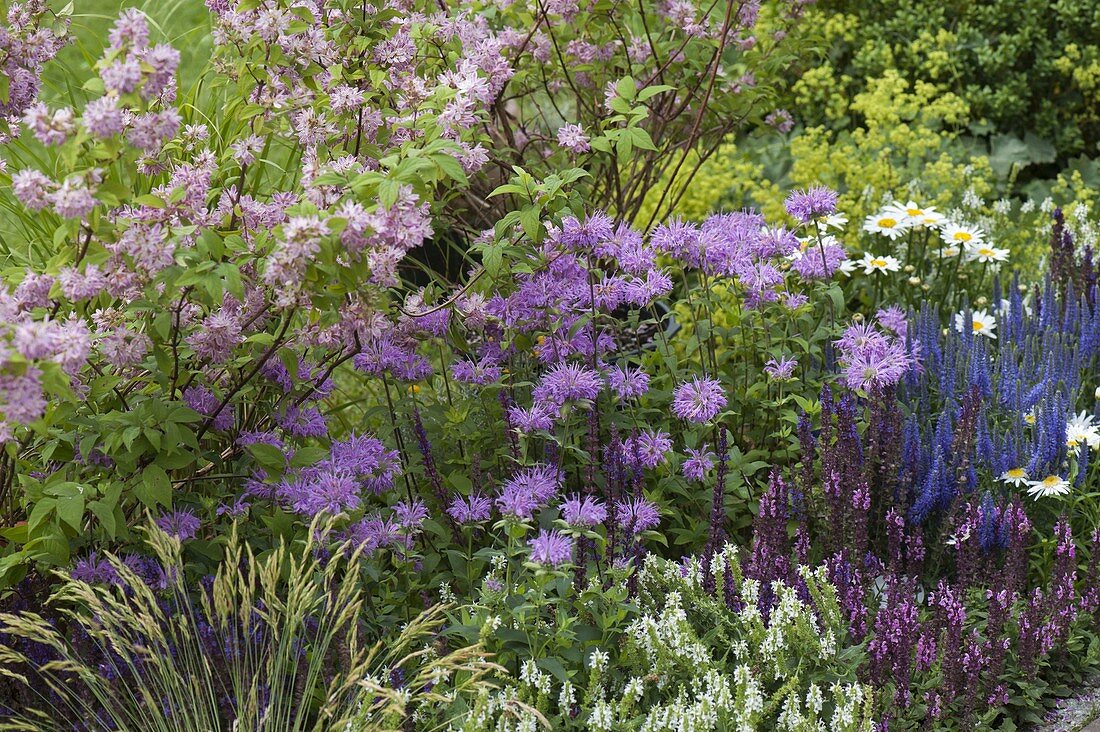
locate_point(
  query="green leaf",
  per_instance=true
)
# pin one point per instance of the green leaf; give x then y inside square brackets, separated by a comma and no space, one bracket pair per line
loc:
[626,88]
[154,488]
[71,511]
[106,516]
[307,456]
[268,456]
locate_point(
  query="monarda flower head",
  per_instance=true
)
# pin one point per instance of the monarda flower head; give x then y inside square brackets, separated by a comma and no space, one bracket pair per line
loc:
[811,203]
[698,464]
[637,515]
[567,382]
[698,400]
[470,510]
[551,548]
[583,511]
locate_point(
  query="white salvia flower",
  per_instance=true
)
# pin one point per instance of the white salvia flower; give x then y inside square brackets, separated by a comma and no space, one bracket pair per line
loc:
[1027,206]
[790,718]
[1052,485]
[634,689]
[598,660]
[1047,205]
[602,717]
[981,323]
[814,700]
[1002,206]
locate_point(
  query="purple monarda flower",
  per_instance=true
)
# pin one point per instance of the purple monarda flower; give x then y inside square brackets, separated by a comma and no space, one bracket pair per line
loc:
[637,515]
[470,510]
[481,372]
[551,548]
[182,524]
[811,203]
[203,401]
[781,370]
[647,449]
[567,382]
[698,400]
[627,382]
[698,464]
[528,490]
[583,511]
[871,359]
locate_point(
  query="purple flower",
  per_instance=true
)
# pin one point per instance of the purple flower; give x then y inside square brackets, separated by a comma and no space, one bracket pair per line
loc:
[302,421]
[474,509]
[637,515]
[481,372]
[811,203]
[215,339]
[581,511]
[528,490]
[410,516]
[893,318]
[322,491]
[566,382]
[538,417]
[698,400]
[628,382]
[203,401]
[552,548]
[572,138]
[94,570]
[781,370]
[647,449]
[182,525]
[698,464]
[871,359]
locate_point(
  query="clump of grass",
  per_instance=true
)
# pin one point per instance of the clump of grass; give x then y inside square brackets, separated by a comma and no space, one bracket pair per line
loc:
[272,643]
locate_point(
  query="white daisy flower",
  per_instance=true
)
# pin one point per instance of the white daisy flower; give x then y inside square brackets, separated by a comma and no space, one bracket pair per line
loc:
[950,252]
[981,322]
[984,253]
[1052,485]
[1082,430]
[835,221]
[915,214]
[962,236]
[1015,477]
[888,224]
[872,264]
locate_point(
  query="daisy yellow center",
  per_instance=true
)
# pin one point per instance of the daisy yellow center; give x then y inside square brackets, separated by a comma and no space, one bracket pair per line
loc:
[1030,419]
[963,236]
[1051,480]
[914,212]
[1016,473]
[878,262]
[888,223]
[978,325]
[542,339]
[985,252]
